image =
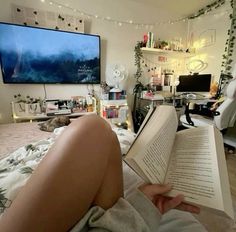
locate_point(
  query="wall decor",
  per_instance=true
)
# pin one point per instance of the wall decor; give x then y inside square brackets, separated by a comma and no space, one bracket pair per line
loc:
[196,66]
[207,37]
[46,19]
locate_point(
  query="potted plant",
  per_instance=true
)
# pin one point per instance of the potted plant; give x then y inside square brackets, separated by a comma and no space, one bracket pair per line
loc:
[26,106]
[32,105]
[19,105]
[163,44]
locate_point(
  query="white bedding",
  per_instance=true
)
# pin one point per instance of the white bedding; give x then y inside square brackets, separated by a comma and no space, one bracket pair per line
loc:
[16,168]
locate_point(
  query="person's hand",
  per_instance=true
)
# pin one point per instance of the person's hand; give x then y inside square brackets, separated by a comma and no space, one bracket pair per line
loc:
[163,203]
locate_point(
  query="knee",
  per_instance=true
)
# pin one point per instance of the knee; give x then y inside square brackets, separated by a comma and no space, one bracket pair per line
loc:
[92,123]
[95,131]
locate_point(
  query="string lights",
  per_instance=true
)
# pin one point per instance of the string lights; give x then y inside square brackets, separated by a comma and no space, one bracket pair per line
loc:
[152,66]
[204,11]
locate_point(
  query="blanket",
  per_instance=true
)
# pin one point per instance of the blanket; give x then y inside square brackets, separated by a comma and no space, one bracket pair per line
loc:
[17,167]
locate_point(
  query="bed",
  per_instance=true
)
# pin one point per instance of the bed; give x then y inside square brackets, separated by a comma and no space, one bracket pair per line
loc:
[15,135]
[23,145]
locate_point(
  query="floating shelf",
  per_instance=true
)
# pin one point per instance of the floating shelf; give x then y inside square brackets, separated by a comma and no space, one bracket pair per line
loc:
[167,52]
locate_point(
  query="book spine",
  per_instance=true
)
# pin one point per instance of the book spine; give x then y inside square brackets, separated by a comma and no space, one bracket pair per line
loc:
[150,41]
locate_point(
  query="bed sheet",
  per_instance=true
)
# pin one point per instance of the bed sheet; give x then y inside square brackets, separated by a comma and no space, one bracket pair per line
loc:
[15,135]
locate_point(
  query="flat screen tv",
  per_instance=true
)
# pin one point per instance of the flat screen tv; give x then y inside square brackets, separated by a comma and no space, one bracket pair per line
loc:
[45,56]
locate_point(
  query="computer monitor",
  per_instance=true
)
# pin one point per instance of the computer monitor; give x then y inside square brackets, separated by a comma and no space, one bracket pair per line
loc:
[194,83]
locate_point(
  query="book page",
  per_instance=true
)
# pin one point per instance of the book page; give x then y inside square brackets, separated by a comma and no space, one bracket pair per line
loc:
[151,150]
[224,178]
[193,169]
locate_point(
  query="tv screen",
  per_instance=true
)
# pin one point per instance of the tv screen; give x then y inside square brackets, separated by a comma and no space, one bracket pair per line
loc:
[194,83]
[45,56]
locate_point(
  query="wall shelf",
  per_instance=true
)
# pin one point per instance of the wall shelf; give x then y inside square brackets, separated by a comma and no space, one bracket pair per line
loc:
[163,52]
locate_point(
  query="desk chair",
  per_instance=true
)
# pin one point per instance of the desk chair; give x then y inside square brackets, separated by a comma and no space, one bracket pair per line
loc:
[223,118]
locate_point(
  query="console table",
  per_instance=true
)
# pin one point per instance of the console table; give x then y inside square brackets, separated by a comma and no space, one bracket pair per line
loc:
[44,116]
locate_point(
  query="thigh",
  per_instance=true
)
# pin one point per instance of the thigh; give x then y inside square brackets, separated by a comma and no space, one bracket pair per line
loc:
[67,181]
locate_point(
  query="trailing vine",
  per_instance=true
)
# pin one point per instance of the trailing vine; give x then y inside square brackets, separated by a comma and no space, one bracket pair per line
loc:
[208,8]
[229,44]
[138,55]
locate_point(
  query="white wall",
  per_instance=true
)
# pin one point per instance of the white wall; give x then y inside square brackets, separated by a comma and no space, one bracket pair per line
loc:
[117,43]
[218,22]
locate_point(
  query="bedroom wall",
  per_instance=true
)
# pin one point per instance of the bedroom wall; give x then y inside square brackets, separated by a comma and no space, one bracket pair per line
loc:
[117,42]
[208,34]
[116,47]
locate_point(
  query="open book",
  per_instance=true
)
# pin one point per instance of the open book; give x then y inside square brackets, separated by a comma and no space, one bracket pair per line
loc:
[192,160]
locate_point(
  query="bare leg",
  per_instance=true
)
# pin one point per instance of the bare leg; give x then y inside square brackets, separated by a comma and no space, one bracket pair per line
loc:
[82,168]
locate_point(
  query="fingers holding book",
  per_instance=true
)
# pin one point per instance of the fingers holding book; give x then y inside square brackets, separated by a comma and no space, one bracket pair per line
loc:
[155,193]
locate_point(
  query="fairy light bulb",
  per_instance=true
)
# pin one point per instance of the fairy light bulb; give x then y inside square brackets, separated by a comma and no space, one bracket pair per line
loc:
[131,22]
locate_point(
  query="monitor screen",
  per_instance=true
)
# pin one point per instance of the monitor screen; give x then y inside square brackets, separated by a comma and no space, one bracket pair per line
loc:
[194,83]
[37,55]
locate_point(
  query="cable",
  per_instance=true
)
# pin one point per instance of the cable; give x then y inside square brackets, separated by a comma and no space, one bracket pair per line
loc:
[45,92]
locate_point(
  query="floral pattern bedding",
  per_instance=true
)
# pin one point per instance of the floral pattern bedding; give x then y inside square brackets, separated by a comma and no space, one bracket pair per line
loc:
[16,168]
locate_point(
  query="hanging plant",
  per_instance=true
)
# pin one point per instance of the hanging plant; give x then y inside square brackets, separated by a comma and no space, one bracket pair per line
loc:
[227,58]
[138,55]
[207,9]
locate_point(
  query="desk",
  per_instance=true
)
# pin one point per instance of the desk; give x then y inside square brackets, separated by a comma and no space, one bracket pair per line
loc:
[143,104]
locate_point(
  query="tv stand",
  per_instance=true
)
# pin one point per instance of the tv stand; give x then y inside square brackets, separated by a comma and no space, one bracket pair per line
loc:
[44,116]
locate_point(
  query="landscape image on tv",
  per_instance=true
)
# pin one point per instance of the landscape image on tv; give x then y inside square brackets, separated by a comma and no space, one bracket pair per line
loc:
[36,55]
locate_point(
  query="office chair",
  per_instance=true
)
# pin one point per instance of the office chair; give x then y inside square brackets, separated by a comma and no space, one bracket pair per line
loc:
[223,118]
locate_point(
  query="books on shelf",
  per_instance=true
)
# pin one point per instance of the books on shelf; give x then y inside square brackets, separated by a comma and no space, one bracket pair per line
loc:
[192,160]
[117,113]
